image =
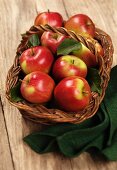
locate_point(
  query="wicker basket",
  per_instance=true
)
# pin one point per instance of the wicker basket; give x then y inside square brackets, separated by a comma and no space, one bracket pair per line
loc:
[41,114]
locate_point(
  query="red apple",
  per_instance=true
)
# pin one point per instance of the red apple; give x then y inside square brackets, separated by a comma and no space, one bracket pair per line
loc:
[52,40]
[72,93]
[81,24]
[36,59]
[37,87]
[69,65]
[53,19]
[86,55]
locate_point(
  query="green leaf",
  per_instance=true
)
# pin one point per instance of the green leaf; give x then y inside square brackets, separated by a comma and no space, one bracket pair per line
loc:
[33,40]
[15,93]
[67,46]
[94,80]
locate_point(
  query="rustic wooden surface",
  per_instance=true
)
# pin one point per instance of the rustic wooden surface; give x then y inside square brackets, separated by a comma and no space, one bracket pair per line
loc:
[16,16]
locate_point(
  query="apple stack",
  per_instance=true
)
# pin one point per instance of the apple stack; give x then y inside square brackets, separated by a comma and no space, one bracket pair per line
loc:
[59,68]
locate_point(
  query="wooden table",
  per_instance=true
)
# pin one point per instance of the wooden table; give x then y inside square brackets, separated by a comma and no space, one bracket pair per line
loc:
[16,16]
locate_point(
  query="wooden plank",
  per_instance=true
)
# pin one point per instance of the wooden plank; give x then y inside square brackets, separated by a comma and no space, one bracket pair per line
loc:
[17,17]
[57,5]
[6,162]
[20,16]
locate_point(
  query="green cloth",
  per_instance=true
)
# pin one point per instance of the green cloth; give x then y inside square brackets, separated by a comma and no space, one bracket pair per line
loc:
[98,133]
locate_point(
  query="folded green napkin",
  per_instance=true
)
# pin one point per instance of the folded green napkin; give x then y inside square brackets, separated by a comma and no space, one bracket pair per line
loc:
[98,133]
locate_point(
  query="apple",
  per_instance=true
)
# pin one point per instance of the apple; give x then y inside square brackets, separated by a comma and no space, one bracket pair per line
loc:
[72,94]
[99,48]
[69,65]
[53,19]
[37,87]
[86,55]
[52,40]
[81,24]
[37,58]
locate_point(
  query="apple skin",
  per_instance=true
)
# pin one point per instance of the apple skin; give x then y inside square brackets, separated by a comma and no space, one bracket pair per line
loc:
[53,19]
[72,94]
[86,55]
[81,24]
[100,50]
[69,65]
[52,40]
[36,59]
[37,87]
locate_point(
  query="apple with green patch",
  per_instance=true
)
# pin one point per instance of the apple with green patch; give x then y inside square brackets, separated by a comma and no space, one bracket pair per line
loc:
[81,24]
[86,55]
[52,40]
[37,58]
[72,94]
[37,87]
[69,65]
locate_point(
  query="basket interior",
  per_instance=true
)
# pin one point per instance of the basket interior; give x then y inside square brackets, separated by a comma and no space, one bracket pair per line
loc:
[47,115]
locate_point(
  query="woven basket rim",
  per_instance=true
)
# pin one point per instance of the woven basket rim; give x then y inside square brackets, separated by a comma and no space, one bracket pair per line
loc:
[41,114]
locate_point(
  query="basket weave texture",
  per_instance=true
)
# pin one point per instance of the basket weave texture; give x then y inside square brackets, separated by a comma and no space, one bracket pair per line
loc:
[41,114]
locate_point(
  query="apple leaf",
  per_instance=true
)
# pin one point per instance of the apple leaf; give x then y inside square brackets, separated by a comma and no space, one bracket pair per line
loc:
[94,80]
[68,46]
[33,40]
[15,93]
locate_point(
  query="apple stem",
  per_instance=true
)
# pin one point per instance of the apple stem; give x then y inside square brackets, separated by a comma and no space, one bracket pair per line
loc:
[72,61]
[48,11]
[55,36]
[85,92]
[32,51]
[22,80]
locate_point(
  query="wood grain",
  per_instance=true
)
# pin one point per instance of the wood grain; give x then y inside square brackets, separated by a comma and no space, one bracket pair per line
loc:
[5,154]
[15,18]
